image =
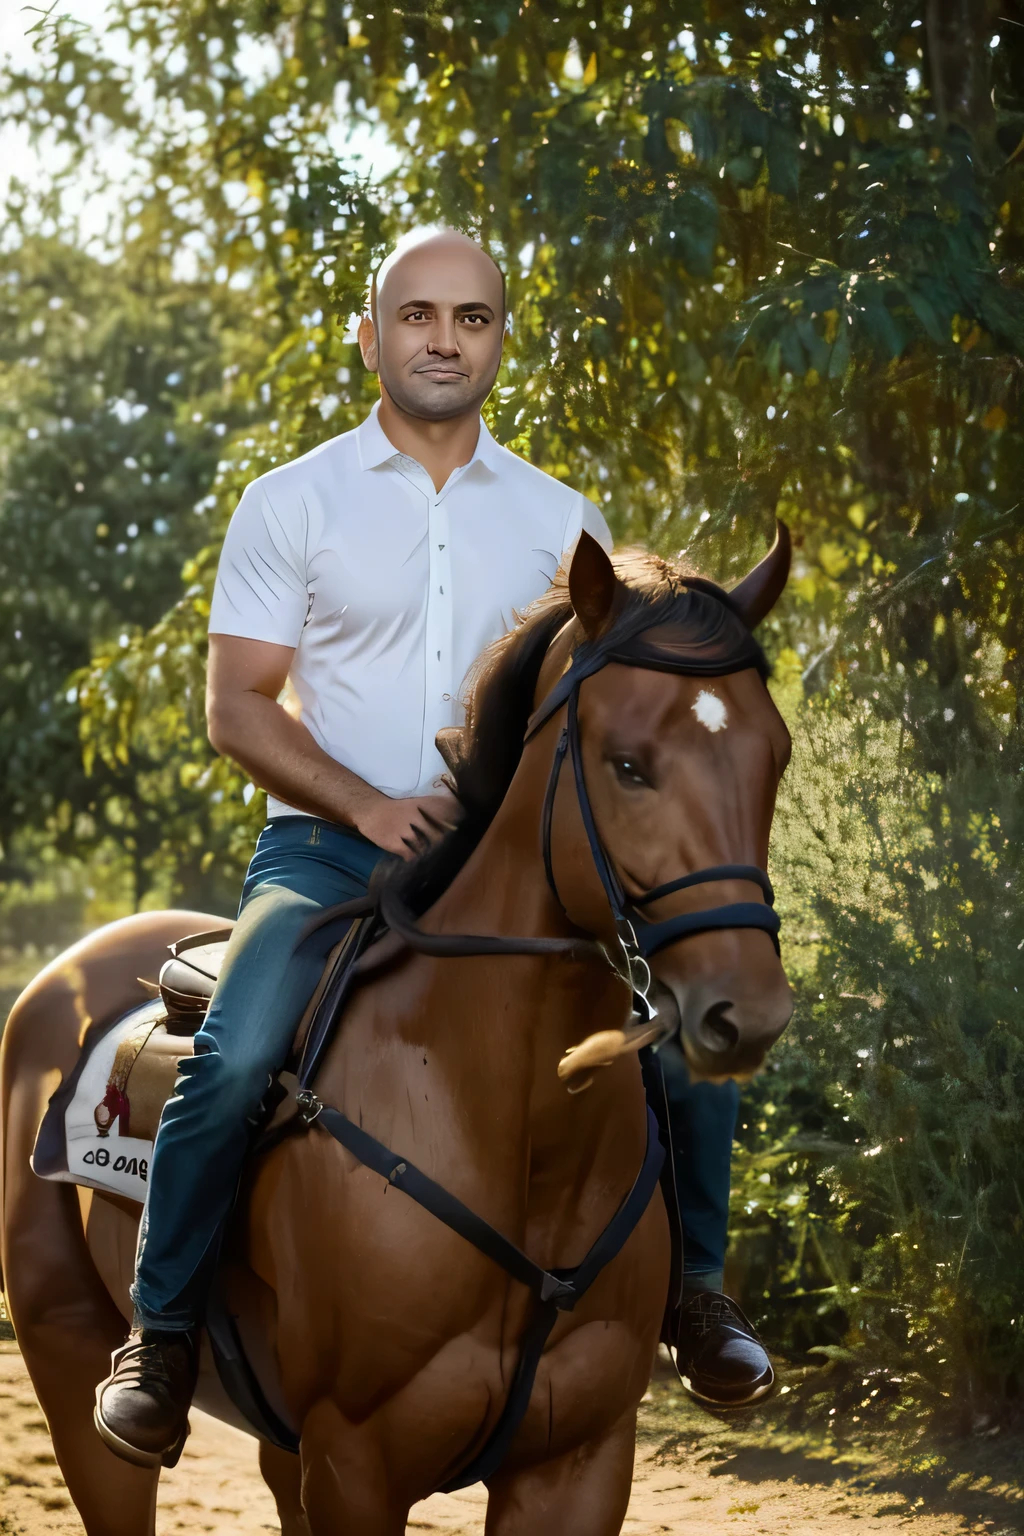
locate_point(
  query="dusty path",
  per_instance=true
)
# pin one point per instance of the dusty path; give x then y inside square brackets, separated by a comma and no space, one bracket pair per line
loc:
[693,1475]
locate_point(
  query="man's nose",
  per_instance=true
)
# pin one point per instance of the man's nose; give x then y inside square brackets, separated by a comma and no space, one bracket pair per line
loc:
[444,341]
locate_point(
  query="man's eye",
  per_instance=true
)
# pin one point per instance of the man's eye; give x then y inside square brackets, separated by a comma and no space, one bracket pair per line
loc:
[628,772]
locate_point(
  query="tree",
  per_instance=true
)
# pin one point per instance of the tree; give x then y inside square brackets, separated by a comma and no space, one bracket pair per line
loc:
[110,378]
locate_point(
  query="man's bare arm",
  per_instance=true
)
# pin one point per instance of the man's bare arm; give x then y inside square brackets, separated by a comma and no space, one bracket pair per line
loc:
[246,723]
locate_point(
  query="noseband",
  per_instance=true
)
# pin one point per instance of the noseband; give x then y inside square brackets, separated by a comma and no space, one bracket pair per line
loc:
[638,937]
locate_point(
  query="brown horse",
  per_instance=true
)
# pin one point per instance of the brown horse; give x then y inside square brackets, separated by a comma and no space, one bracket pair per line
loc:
[394,1339]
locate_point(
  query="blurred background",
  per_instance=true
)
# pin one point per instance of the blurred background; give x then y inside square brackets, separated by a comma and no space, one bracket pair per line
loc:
[764,259]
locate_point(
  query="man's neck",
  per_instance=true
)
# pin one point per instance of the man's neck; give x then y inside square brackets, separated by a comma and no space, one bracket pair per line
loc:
[440,446]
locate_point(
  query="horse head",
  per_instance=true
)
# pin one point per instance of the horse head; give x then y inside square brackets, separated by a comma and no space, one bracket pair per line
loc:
[679,750]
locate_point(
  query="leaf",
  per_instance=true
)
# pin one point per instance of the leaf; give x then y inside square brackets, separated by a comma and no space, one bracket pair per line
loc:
[925,312]
[743,170]
[815,346]
[882,327]
[696,223]
[834,558]
[783,165]
[791,352]
[705,138]
[839,362]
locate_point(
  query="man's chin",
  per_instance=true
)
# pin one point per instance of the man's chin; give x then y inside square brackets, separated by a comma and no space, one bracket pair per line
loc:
[437,402]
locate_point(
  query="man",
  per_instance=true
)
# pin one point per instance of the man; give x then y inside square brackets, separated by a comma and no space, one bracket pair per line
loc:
[370,573]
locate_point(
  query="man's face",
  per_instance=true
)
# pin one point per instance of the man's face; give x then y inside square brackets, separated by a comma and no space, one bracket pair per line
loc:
[440,321]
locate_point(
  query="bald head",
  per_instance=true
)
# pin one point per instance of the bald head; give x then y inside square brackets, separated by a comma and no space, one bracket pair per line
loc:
[434,332]
[444,243]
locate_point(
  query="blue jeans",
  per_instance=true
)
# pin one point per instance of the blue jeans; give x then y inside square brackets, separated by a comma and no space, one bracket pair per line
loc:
[697,1122]
[301,865]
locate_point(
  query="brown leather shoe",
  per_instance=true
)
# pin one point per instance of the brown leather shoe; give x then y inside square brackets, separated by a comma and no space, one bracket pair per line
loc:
[142,1408]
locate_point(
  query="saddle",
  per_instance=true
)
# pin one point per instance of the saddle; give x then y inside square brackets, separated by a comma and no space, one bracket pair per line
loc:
[145,1063]
[100,1124]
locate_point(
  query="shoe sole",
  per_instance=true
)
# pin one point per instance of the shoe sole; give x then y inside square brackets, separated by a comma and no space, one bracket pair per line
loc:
[729,1402]
[132,1453]
[759,1392]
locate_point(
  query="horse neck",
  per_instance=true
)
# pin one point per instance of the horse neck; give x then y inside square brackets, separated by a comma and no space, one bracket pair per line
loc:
[459,1057]
[533,1009]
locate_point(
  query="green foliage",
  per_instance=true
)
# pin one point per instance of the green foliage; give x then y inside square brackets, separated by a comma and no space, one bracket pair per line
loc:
[884,1165]
[762,260]
[109,376]
[49,899]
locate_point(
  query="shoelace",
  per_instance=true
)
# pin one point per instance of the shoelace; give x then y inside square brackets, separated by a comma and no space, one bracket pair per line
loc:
[145,1366]
[707,1311]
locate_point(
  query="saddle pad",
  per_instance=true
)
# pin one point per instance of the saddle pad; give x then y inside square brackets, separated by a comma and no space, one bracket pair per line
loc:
[99,1125]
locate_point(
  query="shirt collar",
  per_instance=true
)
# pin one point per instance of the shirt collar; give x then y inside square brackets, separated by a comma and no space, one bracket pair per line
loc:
[376,448]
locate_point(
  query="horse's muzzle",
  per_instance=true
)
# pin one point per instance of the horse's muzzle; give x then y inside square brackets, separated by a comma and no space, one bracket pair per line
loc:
[724,1037]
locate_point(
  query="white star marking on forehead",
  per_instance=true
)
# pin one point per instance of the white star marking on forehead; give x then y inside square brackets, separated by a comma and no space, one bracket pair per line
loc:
[710,711]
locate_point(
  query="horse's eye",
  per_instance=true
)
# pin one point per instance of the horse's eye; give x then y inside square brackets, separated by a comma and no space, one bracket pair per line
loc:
[627,772]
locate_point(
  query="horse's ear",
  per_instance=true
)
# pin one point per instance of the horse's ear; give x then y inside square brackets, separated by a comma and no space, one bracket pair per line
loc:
[759,591]
[450,742]
[592,584]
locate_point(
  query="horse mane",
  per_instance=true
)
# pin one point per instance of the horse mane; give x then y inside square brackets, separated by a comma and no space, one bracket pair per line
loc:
[500,688]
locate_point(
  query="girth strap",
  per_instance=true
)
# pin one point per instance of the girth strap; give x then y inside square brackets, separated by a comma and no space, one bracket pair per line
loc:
[556,1290]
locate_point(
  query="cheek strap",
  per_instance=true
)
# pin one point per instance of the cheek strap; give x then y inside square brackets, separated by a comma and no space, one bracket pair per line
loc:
[640,938]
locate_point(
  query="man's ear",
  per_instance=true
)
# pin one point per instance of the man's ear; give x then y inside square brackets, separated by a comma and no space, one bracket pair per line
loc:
[368,343]
[593,585]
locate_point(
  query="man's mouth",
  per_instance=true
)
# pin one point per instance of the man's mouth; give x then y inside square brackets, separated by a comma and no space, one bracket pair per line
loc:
[436,372]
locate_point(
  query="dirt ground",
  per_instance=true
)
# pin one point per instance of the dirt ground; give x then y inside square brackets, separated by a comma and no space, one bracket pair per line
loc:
[695,1473]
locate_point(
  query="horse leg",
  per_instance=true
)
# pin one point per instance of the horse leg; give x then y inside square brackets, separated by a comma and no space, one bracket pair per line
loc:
[584,1493]
[64,1318]
[67,1326]
[345,1480]
[282,1473]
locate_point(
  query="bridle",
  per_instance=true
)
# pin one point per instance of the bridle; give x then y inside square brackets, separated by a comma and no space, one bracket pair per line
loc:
[638,938]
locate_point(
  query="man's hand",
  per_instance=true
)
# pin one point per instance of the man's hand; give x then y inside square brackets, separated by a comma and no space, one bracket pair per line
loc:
[246,722]
[408,827]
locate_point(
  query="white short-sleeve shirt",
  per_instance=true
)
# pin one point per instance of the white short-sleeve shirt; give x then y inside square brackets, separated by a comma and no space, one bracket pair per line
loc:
[389,589]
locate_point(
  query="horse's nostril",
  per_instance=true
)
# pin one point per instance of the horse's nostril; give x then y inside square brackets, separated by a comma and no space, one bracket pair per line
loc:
[716,1032]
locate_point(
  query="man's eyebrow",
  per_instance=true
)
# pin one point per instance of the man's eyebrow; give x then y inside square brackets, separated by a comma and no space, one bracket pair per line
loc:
[477,306]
